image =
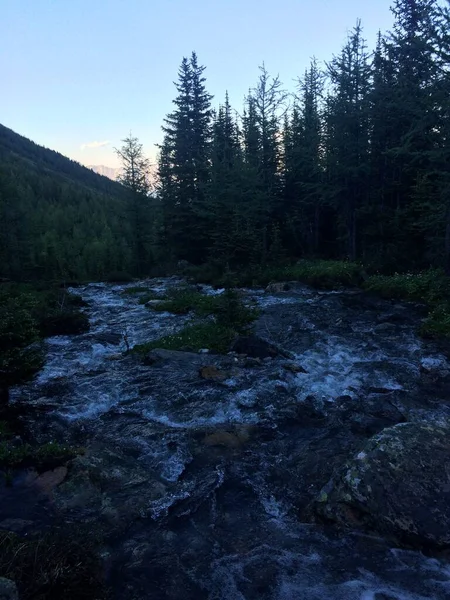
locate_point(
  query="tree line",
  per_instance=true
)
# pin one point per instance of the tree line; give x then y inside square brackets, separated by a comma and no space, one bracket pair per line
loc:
[355,165]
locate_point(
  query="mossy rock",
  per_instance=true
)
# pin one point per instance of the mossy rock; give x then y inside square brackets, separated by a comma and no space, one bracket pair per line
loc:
[399,485]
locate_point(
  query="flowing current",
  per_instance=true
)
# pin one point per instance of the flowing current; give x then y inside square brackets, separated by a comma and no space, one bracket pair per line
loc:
[207,485]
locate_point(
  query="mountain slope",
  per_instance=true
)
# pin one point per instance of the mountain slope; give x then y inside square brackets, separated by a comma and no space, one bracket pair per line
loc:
[110,172]
[59,219]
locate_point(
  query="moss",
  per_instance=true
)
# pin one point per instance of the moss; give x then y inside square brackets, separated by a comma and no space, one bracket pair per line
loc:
[134,290]
[230,317]
[58,564]
[193,338]
[46,456]
[184,300]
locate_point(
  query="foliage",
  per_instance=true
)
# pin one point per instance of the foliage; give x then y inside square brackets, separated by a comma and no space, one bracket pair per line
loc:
[59,220]
[19,360]
[181,301]
[321,274]
[58,564]
[229,316]
[428,287]
[437,324]
[135,177]
[227,308]
[193,338]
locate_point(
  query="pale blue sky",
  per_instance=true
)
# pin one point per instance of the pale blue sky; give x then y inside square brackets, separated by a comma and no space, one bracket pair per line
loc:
[74,72]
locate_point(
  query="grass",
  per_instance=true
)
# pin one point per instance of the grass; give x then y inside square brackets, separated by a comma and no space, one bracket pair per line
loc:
[193,338]
[185,300]
[134,290]
[431,287]
[150,295]
[321,274]
[57,564]
[44,457]
[230,316]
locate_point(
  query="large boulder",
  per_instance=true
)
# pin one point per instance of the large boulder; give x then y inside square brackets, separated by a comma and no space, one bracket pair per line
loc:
[8,589]
[254,346]
[398,484]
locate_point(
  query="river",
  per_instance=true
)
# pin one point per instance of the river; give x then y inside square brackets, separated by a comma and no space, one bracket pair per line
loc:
[207,487]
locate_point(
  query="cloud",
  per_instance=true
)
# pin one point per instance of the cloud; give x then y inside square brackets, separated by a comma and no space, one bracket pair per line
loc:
[95,145]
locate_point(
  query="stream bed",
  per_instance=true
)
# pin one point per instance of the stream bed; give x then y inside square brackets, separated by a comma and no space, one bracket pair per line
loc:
[207,487]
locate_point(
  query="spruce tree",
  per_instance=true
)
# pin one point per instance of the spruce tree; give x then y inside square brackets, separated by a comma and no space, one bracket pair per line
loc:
[348,137]
[184,165]
[135,177]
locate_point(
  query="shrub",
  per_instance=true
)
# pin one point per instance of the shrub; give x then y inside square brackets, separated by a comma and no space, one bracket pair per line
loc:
[437,323]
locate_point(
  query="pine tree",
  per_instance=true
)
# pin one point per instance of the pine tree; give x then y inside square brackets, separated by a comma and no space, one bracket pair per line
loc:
[184,164]
[303,149]
[135,177]
[348,136]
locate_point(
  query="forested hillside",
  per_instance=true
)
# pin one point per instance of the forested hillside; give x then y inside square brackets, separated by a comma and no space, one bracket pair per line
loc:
[59,220]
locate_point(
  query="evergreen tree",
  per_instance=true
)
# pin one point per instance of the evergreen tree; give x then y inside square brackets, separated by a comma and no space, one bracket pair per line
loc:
[347,116]
[135,177]
[303,149]
[184,164]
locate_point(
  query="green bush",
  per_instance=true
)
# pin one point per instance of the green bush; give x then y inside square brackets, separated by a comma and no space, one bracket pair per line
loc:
[231,312]
[437,324]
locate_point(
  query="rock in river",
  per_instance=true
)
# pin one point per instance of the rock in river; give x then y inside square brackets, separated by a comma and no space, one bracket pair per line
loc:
[399,485]
[255,347]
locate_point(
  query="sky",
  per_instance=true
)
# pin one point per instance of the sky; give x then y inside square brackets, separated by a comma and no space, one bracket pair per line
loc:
[78,75]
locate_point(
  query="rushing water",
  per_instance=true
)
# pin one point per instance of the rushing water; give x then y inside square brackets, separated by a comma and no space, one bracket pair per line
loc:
[207,484]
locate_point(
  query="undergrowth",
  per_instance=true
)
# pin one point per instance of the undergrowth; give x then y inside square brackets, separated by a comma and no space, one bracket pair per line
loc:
[58,564]
[321,274]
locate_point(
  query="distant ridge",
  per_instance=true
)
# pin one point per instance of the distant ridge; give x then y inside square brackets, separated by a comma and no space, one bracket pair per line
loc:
[110,172]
